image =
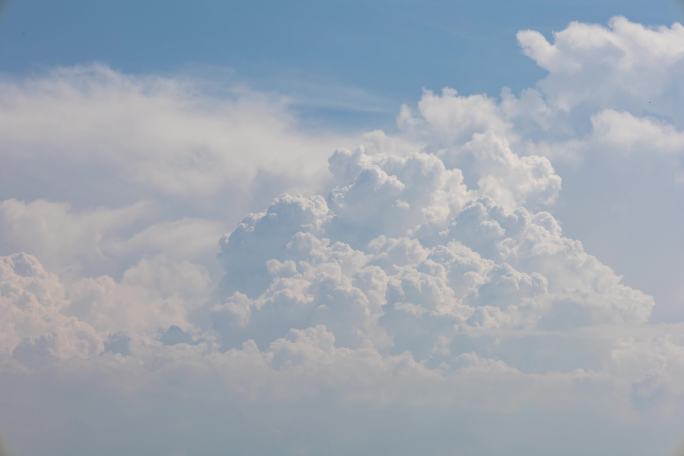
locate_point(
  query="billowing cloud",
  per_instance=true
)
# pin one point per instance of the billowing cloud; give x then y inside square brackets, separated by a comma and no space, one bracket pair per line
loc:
[36,323]
[130,136]
[626,66]
[415,294]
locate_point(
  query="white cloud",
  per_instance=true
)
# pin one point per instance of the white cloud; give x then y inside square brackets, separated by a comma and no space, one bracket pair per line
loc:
[449,118]
[66,239]
[623,66]
[36,325]
[114,139]
[521,271]
[624,132]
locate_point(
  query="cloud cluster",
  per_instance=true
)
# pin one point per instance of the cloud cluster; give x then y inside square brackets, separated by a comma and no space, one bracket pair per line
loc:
[415,294]
[131,163]
[403,256]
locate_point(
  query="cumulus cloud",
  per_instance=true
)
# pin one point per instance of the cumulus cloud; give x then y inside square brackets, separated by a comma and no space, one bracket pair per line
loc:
[36,325]
[387,274]
[626,66]
[414,294]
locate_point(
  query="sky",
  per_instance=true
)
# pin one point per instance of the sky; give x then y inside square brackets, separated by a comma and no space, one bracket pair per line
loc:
[376,55]
[343,227]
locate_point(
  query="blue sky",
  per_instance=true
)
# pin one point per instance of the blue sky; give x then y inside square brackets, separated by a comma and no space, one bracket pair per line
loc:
[378,54]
